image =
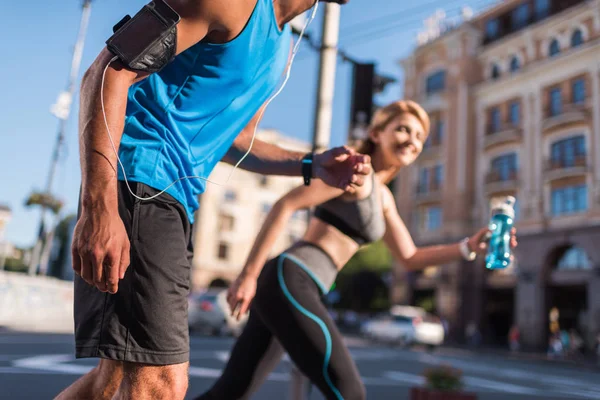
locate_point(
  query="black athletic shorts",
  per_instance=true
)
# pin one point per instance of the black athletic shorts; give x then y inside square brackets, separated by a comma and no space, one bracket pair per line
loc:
[146,320]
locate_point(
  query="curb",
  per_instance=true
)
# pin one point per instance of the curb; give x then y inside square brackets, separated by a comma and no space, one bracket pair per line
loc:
[587,363]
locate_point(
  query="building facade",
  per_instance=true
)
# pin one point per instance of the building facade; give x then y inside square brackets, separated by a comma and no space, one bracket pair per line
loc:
[514,97]
[230,217]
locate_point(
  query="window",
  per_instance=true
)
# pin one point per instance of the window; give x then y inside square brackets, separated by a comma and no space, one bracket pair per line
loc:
[495,71]
[515,64]
[577,38]
[555,102]
[492,29]
[578,91]
[568,152]
[520,16]
[438,176]
[223,251]
[554,48]
[439,132]
[505,167]
[515,113]
[266,207]
[495,120]
[436,136]
[226,223]
[542,8]
[433,219]
[569,200]
[574,258]
[423,180]
[435,82]
[230,196]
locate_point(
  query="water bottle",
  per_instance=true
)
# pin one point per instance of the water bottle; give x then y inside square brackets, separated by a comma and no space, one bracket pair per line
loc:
[501,223]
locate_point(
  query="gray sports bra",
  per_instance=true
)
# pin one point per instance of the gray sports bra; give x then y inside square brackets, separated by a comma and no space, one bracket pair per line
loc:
[361,220]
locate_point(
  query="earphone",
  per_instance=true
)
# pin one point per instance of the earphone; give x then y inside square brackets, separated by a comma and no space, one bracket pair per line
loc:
[289,68]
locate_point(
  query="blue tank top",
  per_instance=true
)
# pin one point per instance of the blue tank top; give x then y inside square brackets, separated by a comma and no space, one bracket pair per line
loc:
[182,120]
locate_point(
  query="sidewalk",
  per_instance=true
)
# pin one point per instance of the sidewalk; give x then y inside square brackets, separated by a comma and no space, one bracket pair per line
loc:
[587,361]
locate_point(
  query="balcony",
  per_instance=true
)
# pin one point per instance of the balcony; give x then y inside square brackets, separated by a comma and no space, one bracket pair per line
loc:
[429,193]
[496,183]
[506,133]
[565,115]
[561,168]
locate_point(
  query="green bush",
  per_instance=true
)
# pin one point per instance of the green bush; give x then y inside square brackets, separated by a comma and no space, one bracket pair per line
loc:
[444,378]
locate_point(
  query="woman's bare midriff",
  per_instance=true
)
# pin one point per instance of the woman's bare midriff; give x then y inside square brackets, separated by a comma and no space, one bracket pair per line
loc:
[339,246]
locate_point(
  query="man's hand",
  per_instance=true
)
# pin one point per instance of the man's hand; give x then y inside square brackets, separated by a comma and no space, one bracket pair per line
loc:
[100,249]
[240,295]
[342,167]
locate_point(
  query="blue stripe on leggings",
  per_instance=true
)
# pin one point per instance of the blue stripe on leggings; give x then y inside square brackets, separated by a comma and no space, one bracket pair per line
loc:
[312,316]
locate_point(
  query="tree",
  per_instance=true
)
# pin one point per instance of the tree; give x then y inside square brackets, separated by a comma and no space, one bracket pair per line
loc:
[360,283]
[44,200]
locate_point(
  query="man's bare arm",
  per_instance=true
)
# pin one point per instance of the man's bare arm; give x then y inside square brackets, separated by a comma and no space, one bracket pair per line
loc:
[265,158]
[100,247]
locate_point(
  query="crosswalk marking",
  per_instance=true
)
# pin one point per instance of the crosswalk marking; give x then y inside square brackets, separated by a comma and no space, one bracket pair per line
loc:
[66,364]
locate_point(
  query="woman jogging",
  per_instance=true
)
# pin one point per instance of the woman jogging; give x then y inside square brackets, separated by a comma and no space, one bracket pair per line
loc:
[286,313]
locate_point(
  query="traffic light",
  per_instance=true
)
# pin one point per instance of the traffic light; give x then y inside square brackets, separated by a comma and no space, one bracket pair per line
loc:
[365,84]
[361,108]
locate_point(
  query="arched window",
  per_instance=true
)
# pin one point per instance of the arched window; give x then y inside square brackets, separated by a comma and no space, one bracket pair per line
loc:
[577,38]
[515,64]
[574,258]
[495,71]
[554,48]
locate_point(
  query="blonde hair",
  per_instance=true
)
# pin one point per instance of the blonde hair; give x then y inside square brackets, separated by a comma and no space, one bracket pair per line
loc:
[387,114]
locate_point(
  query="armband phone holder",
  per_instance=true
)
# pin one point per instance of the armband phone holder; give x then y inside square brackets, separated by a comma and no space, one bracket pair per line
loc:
[148,41]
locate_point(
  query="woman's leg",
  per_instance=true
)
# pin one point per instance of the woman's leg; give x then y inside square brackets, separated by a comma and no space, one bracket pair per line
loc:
[255,354]
[293,311]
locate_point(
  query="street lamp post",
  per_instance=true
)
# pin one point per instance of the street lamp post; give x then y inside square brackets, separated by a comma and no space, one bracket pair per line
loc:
[61,109]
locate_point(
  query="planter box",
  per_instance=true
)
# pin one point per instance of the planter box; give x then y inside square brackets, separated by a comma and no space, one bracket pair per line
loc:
[418,393]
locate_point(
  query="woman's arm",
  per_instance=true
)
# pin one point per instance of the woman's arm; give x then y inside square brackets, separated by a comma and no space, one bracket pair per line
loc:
[298,198]
[399,241]
[242,290]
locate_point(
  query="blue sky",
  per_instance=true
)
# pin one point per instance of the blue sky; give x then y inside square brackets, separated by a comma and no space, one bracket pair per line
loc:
[37,59]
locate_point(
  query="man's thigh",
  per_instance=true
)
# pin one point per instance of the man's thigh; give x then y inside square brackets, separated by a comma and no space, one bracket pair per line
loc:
[146,320]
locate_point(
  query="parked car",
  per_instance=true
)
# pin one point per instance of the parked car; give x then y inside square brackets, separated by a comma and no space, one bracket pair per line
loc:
[405,326]
[208,313]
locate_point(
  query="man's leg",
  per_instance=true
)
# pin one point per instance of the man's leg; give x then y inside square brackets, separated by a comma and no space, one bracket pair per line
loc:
[142,327]
[153,382]
[101,383]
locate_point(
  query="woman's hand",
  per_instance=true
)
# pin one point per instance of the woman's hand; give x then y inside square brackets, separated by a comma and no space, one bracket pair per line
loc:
[478,242]
[240,295]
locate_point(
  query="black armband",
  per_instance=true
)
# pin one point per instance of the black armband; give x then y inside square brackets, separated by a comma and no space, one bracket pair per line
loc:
[148,41]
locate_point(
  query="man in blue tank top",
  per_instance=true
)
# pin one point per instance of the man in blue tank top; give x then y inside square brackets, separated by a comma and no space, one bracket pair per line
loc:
[179,87]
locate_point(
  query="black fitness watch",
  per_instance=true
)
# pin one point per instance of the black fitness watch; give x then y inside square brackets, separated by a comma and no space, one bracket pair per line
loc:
[307,168]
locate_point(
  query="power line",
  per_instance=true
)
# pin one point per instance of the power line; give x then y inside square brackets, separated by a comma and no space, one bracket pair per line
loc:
[426,7]
[381,32]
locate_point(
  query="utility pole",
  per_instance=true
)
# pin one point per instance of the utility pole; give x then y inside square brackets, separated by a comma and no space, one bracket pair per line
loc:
[326,84]
[61,109]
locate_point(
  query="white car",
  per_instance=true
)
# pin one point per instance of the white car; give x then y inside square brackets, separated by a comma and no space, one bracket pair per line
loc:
[208,312]
[405,326]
